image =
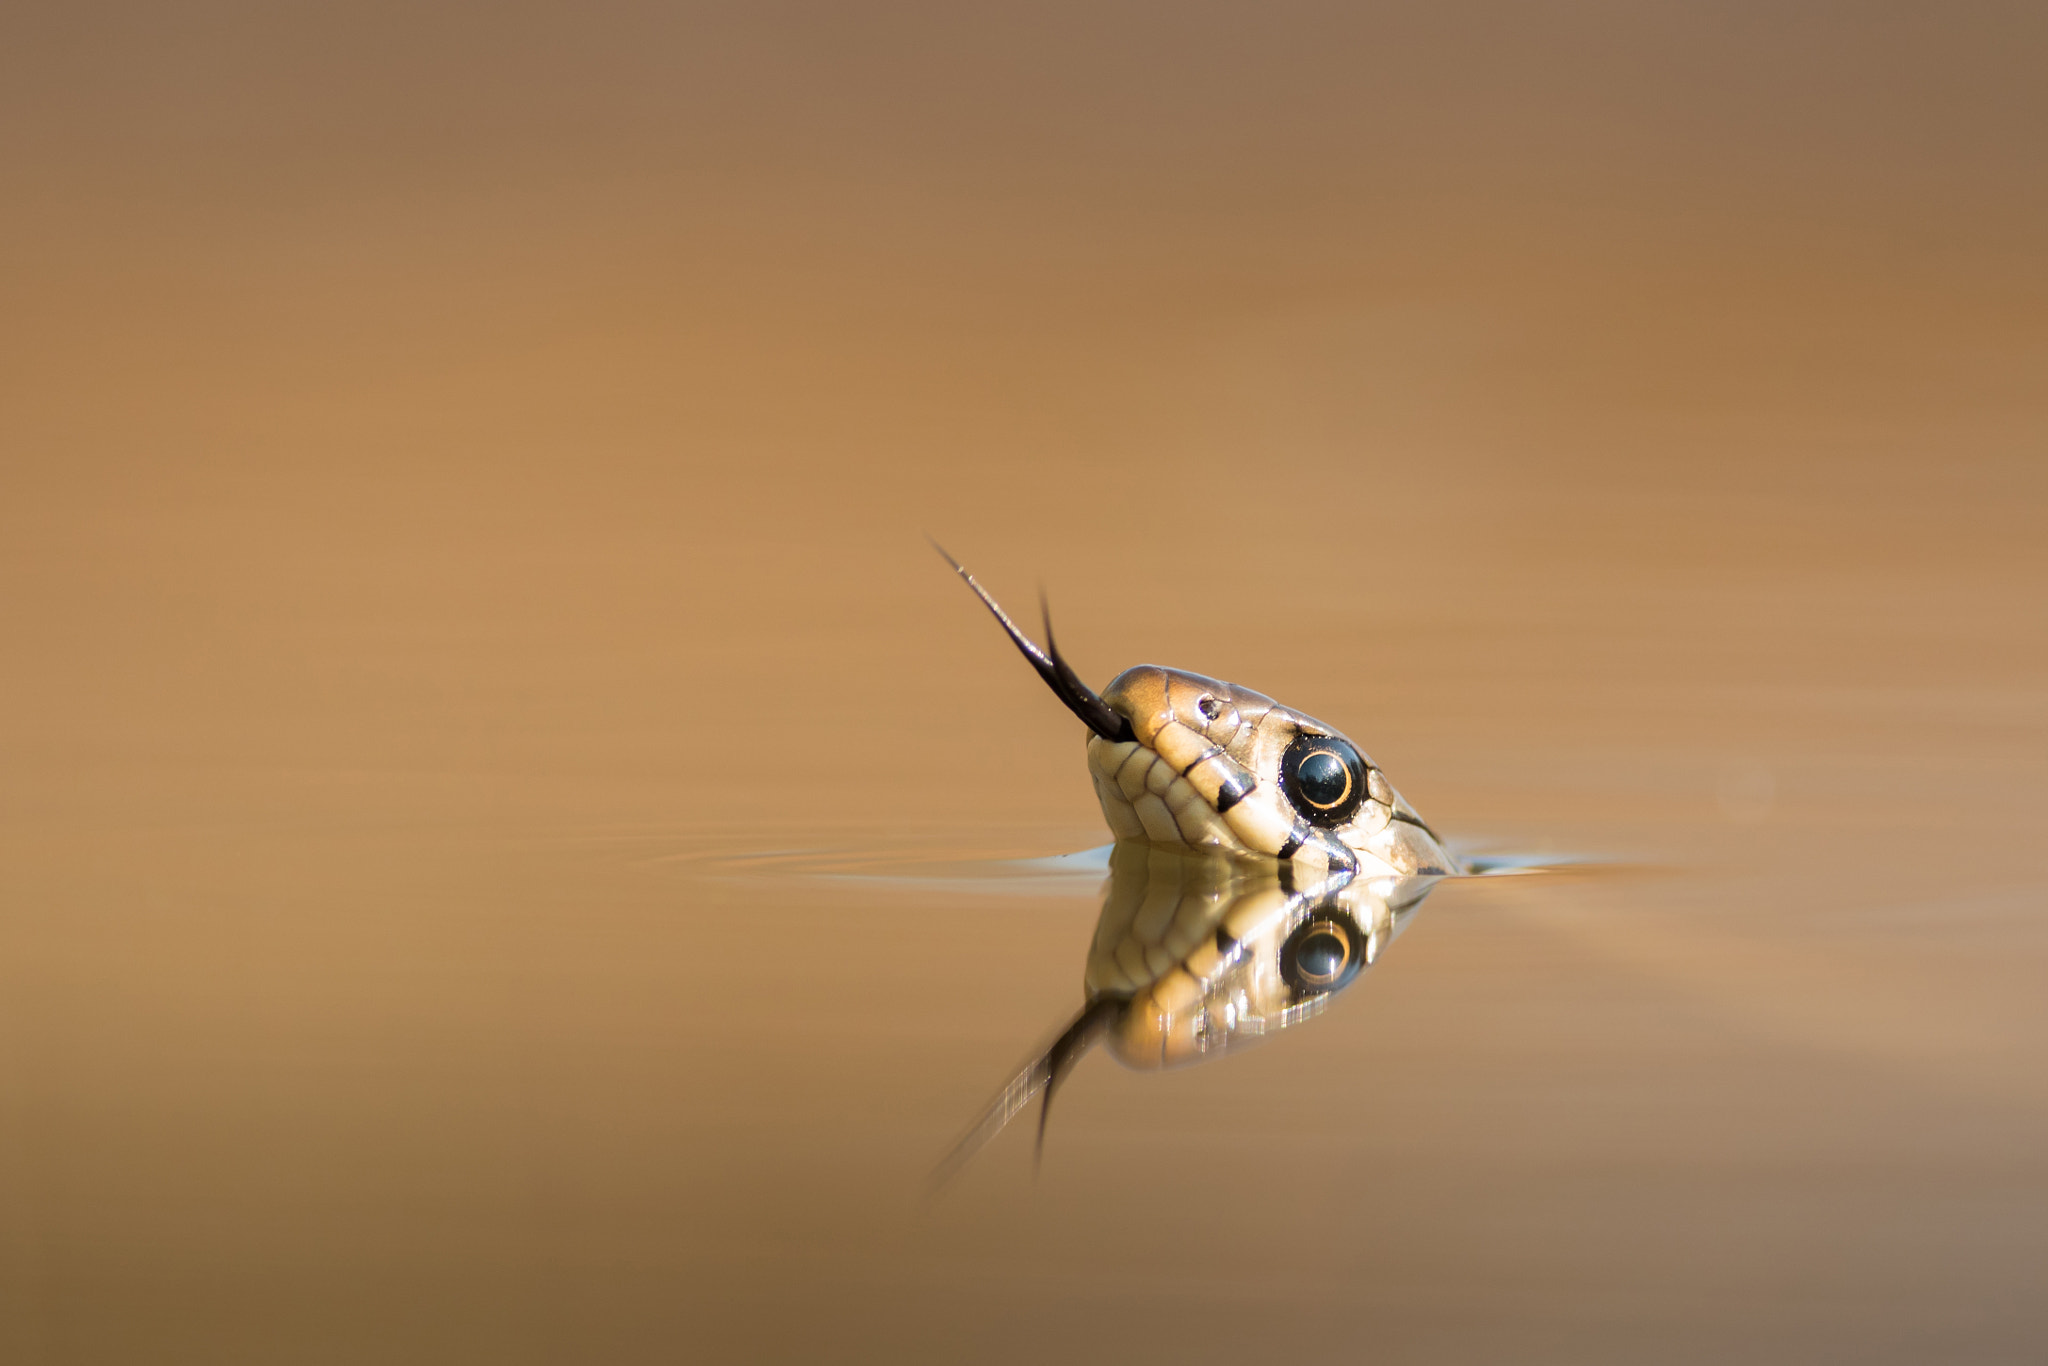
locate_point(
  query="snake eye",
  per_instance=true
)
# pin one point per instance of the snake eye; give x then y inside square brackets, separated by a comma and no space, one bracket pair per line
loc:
[1322,955]
[1324,778]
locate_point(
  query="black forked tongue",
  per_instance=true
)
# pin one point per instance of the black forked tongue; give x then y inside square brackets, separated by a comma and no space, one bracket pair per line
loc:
[1039,1079]
[1080,1037]
[1058,675]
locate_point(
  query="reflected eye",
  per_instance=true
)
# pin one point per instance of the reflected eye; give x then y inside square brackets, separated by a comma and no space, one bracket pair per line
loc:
[1321,956]
[1324,778]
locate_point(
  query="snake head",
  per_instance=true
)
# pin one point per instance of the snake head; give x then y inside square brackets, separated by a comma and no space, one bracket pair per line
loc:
[1209,766]
[1190,763]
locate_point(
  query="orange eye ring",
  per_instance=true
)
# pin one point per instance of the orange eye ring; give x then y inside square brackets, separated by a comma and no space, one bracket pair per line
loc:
[1324,777]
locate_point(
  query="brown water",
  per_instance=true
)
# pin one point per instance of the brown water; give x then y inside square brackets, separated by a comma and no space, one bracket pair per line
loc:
[501,815]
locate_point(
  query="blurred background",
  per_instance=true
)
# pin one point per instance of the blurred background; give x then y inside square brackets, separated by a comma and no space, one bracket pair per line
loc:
[464,473]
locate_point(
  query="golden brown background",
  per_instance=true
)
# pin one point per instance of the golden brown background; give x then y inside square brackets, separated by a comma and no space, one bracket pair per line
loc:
[463,471]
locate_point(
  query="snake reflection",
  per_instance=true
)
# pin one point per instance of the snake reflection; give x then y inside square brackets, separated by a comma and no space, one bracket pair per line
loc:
[1194,957]
[1261,863]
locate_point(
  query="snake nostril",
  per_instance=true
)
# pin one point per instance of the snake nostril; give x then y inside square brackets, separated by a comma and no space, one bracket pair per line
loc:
[1209,707]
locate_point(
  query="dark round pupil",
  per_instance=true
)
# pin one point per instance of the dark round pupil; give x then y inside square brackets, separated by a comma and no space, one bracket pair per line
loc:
[1323,779]
[1321,956]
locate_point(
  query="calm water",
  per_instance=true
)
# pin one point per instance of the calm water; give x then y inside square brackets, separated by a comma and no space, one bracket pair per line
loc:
[543,1058]
[513,848]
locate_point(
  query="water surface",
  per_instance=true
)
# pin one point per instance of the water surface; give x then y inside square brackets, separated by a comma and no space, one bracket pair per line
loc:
[512,847]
